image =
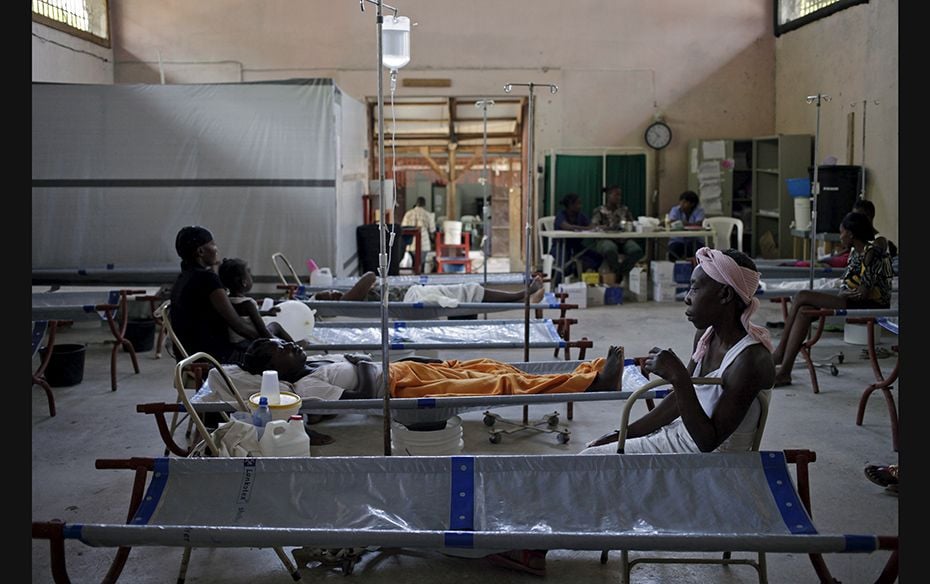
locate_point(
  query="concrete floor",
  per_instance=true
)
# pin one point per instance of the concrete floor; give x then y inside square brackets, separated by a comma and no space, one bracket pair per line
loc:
[93,422]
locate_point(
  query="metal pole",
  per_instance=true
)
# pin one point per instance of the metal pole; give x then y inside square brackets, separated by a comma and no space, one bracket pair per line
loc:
[486,207]
[815,185]
[382,255]
[528,227]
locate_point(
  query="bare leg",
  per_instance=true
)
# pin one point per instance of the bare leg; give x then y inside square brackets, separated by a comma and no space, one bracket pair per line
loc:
[797,327]
[609,377]
[491,295]
[357,292]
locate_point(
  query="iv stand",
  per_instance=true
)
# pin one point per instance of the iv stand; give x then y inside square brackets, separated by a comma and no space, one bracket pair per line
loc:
[530,184]
[815,185]
[486,208]
[382,231]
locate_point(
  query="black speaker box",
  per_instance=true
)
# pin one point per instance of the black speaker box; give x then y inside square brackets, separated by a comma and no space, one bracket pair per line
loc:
[839,188]
[369,247]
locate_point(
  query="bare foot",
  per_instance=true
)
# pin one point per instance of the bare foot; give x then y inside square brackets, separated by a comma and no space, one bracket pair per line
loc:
[782,381]
[608,379]
[536,290]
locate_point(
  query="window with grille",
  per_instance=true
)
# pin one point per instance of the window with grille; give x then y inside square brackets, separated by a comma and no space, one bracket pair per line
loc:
[792,14]
[87,19]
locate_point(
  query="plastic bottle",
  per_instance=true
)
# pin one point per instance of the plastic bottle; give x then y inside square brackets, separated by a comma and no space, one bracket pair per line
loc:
[262,415]
[632,378]
[285,438]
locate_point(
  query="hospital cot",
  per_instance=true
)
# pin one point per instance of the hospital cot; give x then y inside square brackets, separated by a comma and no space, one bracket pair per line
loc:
[110,306]
[44,330]
[729,502]
[411,412]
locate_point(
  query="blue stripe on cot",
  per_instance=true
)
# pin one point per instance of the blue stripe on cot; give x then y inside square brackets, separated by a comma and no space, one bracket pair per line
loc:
[462,495]
[399,324]
[110,266]
[840,312]
[424,279]
[72,531]
[82,272]
[113,297]
[418,305]
[459,539]
[153,494]
[426,403]
[786,497]
[860,543]
[398,346]
[89,308]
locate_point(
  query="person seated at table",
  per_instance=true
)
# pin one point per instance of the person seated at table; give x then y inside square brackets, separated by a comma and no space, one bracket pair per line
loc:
[691,214]
[572,218]
[355,376]
[866,283]
[611,216]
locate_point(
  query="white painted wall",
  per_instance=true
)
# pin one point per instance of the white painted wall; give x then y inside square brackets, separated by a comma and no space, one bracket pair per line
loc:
[851,56]
[61,58]
[707,66]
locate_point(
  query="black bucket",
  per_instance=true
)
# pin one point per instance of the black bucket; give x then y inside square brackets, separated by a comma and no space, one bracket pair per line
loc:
[66,367]
[141,333]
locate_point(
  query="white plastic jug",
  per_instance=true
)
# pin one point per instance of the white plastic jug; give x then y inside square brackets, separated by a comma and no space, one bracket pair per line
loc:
[321,277]
[285,438]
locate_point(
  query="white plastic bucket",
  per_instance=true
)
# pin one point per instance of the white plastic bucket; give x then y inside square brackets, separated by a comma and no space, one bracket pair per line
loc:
[802,213]
[290,404]
[448,440]
[858,334]
[285,438]
[452,232]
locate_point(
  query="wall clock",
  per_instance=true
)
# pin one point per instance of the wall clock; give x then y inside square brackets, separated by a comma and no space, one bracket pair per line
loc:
[658,135]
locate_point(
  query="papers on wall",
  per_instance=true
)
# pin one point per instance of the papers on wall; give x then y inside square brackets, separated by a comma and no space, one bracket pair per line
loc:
[713,149]
[709,186]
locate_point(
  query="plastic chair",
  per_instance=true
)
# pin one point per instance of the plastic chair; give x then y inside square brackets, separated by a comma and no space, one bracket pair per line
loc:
[546,223]
[723,229]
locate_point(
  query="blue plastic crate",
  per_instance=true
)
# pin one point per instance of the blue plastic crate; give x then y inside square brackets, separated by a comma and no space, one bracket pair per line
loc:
[799,187]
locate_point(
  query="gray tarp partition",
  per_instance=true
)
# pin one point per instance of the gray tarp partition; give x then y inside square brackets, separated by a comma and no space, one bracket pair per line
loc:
[268,167]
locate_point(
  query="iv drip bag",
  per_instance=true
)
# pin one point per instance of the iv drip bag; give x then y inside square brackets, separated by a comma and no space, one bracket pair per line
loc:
[395,41]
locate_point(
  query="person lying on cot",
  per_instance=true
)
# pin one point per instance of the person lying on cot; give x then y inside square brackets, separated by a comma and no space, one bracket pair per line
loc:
[691,418]
[447,295]
[357,377]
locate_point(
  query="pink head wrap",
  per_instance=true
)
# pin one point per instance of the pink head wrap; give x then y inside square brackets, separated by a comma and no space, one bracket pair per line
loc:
[722,268]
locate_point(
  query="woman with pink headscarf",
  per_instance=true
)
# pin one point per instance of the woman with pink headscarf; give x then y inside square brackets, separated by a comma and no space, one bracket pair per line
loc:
[719,303]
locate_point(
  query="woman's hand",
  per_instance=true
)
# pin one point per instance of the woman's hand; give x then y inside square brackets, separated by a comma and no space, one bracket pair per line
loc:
[666,364]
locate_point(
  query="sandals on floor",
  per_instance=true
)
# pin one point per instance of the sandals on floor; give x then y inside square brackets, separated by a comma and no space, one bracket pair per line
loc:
[883,476]
[529,561]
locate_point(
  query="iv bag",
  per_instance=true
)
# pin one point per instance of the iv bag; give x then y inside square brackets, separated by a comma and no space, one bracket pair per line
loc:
[395,42]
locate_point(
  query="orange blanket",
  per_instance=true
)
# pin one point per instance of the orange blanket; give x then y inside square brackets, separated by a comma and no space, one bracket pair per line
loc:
[484,377]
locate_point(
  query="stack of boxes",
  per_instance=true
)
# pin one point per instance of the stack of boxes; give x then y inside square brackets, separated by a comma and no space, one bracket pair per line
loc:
[638,288]
[670,280]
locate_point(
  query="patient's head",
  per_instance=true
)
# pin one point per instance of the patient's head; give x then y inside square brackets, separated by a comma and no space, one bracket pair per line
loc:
[285,357]
[235,275]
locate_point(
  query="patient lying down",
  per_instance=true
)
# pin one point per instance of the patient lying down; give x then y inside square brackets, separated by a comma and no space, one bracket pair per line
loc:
[357,377]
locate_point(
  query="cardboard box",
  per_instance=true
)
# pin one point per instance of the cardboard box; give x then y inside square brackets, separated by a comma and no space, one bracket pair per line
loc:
[666,292]
[639,281]
[608,277]
[595,294]
[662,271]
[577,293]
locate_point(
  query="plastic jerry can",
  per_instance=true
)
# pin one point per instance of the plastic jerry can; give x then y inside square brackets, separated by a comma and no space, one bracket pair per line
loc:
[285,438]
[321,277]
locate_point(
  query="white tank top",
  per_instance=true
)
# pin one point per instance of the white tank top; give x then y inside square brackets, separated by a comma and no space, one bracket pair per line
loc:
[674,437]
